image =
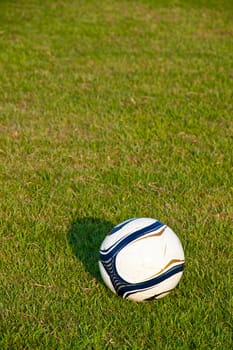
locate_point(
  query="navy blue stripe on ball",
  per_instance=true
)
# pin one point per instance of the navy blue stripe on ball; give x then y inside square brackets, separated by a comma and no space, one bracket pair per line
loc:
[125,290]
[158,295]
[106,254]
[119,227]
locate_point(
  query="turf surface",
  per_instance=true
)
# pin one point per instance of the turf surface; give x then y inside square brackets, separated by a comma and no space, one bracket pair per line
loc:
[111,110]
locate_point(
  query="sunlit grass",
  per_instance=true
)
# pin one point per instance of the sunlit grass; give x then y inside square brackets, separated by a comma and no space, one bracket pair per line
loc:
[111,110]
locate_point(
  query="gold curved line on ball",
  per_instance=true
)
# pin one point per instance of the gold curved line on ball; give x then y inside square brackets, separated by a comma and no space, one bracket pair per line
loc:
[154,235]
[173,261]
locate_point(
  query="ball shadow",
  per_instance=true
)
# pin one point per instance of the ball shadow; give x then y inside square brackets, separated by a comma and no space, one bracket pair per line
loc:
[85,236]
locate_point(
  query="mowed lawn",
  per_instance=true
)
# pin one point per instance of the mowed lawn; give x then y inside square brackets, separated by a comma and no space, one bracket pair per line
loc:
[110,110]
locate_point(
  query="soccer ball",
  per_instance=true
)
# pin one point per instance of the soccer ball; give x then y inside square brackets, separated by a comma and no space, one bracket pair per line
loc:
[141,259]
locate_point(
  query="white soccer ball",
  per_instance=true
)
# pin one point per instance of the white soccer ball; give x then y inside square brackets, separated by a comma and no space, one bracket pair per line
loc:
[141,259]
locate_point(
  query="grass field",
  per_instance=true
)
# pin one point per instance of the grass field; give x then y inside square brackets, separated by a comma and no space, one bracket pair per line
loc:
[111,110]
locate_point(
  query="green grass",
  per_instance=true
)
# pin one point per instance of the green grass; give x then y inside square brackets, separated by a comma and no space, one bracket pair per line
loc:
[111,110]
